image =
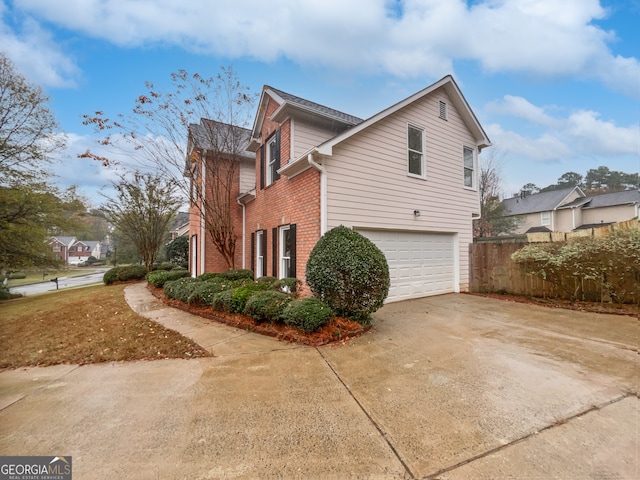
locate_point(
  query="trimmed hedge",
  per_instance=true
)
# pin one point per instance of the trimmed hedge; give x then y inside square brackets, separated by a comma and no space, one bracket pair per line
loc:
[202,293]
[237,274]
[267,306]
[162,266]
[223,301]
[158,278]
[17,276]
[180,289]
[287,285]
[242,294]
[308,314]
[349,273]
[123,274]
[208,276]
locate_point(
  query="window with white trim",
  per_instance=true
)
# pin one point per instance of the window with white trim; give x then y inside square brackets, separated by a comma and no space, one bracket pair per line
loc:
[260,254]
[545,218]
[272,155]
[415,155]
[56,248]
[285,252]
[469,167]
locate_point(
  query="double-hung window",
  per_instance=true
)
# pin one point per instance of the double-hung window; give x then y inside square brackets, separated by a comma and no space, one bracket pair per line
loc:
[271,160]
[545,218]
[260,253]
[415,146]
[469,170]
[285,251]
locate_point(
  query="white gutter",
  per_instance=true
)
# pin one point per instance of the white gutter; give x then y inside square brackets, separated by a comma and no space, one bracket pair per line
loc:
[323,192]
[202,208]
[244,222]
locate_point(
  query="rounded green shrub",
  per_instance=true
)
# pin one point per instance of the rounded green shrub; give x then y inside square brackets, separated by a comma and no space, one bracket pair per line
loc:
[123,274]
[267,279]
[181,289]
[17,276]
[348,272]
[222,301]
[308,314]
[287,285]
[238,274]
[243,293]
[208,276]
[162,266]
[204,292]
[267,306]
[158,278]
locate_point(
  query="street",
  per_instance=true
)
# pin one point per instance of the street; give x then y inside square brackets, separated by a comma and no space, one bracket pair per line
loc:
[63,282]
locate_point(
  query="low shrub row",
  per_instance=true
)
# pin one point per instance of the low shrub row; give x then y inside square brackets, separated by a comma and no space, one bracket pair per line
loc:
[123,274]
[158,278]
[265,300]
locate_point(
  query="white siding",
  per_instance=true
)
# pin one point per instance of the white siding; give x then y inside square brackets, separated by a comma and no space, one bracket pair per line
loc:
[247,175]
[307,135]
[368,185]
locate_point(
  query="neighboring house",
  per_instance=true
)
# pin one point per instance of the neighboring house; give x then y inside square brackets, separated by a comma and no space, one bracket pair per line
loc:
[181,225]
[406,178]
[60,247]
[569,209]
[81,250]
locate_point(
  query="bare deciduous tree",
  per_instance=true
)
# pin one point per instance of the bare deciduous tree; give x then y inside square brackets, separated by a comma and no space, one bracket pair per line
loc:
[492,220]
[210,114]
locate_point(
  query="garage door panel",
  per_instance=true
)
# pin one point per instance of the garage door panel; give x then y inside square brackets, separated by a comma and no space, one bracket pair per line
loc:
[420,264]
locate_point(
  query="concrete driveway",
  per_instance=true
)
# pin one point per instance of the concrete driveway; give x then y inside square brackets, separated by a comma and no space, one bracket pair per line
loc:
[449,387]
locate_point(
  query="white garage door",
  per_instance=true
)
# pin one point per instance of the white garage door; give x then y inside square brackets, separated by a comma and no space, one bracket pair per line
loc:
[420,264]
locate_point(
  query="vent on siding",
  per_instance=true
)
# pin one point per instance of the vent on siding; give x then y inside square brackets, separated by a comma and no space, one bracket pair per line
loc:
[443,110]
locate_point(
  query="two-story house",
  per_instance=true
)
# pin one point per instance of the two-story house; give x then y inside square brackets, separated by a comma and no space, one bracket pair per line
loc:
[406,178]
[569,209]
[81,250]
[60,246]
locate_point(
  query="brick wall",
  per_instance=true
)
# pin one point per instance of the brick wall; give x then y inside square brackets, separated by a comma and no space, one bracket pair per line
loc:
[284,202]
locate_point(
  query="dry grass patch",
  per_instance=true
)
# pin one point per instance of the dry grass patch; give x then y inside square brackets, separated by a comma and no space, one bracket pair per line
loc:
[88,325]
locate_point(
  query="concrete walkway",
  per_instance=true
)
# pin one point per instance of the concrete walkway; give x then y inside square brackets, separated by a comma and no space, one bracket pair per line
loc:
[449,387]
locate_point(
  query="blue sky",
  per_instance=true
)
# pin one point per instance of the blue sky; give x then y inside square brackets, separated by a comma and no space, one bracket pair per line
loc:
[556,84]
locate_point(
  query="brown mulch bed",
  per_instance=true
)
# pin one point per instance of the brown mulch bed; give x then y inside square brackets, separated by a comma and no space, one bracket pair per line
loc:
[338,331]
[594,307]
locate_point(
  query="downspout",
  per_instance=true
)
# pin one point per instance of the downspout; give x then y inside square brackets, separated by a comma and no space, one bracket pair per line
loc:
[203,194]
[323,192]
[244,223]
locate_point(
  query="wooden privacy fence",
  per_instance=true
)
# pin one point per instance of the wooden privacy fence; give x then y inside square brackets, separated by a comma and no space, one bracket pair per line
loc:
[493,271]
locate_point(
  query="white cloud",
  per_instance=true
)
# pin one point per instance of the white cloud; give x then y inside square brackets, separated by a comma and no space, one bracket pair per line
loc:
[581,134]
[35,54]
[415,37]
[521,108]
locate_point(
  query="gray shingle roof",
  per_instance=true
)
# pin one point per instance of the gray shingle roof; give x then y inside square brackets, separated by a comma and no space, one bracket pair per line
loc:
[537,202]
[317,108]
[613,199]
[181,219]
[65,240]
[218,136]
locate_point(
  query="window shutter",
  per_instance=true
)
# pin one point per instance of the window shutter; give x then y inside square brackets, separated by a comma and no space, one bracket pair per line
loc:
[274,249]
[292,250]
[262,167]
[263,249]
[276,175]
[253,253]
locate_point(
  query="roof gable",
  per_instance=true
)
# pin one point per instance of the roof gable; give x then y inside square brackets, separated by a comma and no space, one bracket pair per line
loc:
[455,94]
[539,202]
[219,137]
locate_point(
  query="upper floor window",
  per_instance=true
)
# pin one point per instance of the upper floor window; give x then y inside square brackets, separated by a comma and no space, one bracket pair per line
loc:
[415,147]
[469,168]
[545,218]
[56,248]
[270,161]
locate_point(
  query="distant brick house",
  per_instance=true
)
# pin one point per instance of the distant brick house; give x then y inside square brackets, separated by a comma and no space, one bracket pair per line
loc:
[406,178]
[73,251]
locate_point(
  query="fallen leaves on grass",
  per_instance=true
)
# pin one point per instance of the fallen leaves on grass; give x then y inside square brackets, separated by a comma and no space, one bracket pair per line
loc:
[89,325]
